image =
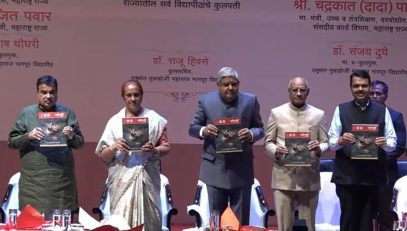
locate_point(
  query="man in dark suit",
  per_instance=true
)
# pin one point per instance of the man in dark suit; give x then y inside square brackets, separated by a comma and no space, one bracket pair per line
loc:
[228,176]
[358,181]
[379,93]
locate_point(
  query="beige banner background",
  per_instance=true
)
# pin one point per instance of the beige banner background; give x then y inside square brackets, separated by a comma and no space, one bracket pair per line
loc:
[176,47]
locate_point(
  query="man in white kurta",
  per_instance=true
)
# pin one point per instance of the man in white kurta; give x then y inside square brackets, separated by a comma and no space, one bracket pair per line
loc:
[295,186]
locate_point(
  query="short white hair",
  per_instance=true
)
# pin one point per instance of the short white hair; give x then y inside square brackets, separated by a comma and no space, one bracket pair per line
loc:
[298,78]
[227,72]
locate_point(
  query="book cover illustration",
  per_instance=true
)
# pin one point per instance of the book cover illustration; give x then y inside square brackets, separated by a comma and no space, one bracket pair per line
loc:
[227,139]
[364,146]
[135,131]
[52,124]
[298,152]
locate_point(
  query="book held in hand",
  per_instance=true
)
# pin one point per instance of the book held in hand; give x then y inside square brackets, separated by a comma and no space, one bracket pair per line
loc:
[364,146]
[298,152]
[135,131]
[227,139]
[52,124]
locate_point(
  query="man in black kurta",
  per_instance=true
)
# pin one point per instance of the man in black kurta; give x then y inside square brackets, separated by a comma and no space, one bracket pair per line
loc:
[47,180]
[358,181]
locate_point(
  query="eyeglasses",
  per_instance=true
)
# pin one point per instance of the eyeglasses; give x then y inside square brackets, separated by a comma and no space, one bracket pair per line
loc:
[136,95]
[226,84]
[300,91]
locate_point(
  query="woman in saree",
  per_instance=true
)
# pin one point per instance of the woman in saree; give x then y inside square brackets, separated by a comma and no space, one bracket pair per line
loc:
[134,175]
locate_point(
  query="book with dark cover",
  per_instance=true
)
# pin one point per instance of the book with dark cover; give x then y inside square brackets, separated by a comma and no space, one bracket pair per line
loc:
[135,131]
[52,124]
[227,139]
[298,152]
[364,146]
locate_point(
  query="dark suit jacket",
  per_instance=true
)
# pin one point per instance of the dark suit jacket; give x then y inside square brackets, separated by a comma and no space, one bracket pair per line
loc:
[230,170]
[400,128]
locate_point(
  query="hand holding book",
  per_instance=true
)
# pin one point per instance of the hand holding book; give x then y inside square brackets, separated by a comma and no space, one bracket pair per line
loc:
[230,135]
[245,135]
[36,134]
[68,132]
[281,151]
[149,148]
[313,146]
[135,132]
[119,145]
[366,141]
[380,141]
[210,129]
[53,128]
[347,138]
[299,145]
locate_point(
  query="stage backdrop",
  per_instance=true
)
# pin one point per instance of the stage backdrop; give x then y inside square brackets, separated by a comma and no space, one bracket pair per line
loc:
[176,47]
